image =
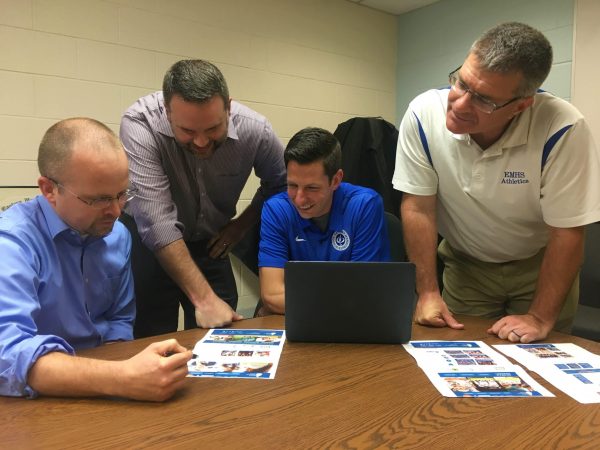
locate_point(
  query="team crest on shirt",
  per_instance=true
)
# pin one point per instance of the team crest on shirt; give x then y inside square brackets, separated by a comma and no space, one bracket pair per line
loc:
[340,240]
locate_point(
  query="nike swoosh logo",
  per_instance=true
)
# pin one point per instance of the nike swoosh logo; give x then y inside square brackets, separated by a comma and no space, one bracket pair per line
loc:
[299,239]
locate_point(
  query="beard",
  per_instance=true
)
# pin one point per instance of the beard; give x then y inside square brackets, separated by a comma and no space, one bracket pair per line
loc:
[205,152]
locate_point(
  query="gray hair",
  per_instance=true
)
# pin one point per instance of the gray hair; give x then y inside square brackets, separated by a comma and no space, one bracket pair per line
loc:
[57,145]
[515,47]
[195,80]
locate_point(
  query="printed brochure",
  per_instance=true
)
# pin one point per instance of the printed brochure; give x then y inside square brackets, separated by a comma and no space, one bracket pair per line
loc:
[570,368]
[472,369]
[232,353]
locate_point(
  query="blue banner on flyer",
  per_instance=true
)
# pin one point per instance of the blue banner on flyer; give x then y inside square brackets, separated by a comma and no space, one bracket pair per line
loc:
[444,344]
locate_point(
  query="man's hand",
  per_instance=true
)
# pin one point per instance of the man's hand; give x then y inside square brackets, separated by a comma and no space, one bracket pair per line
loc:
[224,241]
[432,310]
[522,328]
[213,312]
[157,372]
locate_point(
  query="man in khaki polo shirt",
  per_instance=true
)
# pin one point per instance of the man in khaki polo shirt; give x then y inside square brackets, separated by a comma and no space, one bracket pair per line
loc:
[509,177]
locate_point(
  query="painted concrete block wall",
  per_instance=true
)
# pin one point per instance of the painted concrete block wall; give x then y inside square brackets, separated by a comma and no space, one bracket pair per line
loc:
[434,40]
[301,63]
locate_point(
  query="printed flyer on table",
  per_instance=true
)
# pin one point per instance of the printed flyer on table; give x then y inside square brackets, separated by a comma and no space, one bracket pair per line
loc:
[570,368]
[472,369]
[231,353]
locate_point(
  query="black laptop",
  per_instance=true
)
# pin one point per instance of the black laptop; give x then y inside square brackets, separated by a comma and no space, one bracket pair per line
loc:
[357,302]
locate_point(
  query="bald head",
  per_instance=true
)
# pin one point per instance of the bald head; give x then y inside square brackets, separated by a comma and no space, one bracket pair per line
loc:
[65,138]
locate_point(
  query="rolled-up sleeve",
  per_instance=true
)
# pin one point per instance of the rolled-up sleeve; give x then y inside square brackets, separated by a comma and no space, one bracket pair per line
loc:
[153,208]
[269,165]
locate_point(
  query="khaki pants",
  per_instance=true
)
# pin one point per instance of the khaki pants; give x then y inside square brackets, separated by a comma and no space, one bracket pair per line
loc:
[493,290]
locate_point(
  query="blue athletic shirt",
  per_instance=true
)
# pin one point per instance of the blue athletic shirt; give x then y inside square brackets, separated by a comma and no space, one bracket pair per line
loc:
[356,230]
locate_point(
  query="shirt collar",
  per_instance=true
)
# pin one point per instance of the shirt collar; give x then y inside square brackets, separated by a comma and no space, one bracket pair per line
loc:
[336,221]
[517,132]
[160,122]
[515,135]
[55,224]
[58,226]
[231,128]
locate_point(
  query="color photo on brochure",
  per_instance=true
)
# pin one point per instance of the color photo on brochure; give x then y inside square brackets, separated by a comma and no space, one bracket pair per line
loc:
[231,353]
[570,368]
[457,356]
[486,384]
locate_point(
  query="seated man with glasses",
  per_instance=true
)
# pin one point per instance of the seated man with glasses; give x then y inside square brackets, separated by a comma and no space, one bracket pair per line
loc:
[508,176]
[65,277]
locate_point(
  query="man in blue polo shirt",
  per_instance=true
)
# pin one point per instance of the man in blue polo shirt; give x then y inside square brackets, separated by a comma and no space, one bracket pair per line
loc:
[319,218]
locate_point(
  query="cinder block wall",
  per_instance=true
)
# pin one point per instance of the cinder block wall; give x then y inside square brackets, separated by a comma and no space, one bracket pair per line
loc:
[299,62]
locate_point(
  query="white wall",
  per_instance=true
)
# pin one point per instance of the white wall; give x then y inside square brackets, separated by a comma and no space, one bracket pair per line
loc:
[434,40]
[586,89]
[299,62]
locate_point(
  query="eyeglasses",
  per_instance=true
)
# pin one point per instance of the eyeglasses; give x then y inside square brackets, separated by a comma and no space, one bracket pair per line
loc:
[102,202]
[481,103]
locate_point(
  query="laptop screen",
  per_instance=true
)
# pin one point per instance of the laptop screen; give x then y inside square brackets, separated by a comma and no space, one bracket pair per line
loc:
[360,302]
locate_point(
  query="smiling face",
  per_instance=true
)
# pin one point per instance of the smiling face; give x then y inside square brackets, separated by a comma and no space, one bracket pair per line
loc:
[310,189]
[200,128]
[463,118]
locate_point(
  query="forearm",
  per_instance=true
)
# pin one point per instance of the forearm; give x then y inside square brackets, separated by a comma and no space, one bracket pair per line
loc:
[272,289]
[176,261]
[560,265]
[275,303]
[250,215]
[420,236]
[59,374]
[153,374]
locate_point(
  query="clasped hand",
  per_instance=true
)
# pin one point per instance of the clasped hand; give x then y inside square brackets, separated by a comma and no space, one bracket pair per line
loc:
[224,241]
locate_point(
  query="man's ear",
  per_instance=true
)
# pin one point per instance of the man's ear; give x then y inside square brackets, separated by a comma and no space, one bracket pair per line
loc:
[524,104]
[47,188]
[337,179]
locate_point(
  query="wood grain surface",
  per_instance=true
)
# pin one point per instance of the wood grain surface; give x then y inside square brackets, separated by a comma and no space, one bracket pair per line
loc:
[338,396]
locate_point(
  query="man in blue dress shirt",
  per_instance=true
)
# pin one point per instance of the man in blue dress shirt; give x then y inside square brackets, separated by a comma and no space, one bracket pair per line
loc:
[65,277]
[319,218]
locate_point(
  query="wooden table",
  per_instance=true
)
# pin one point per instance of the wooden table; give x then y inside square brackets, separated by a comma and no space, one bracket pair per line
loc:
[324,396]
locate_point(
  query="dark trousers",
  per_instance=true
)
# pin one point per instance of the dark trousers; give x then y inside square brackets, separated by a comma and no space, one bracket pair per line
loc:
[158,297]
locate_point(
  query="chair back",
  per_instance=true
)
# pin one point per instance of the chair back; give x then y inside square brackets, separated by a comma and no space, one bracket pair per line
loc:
[394,227]
[589,278]
[587,319]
